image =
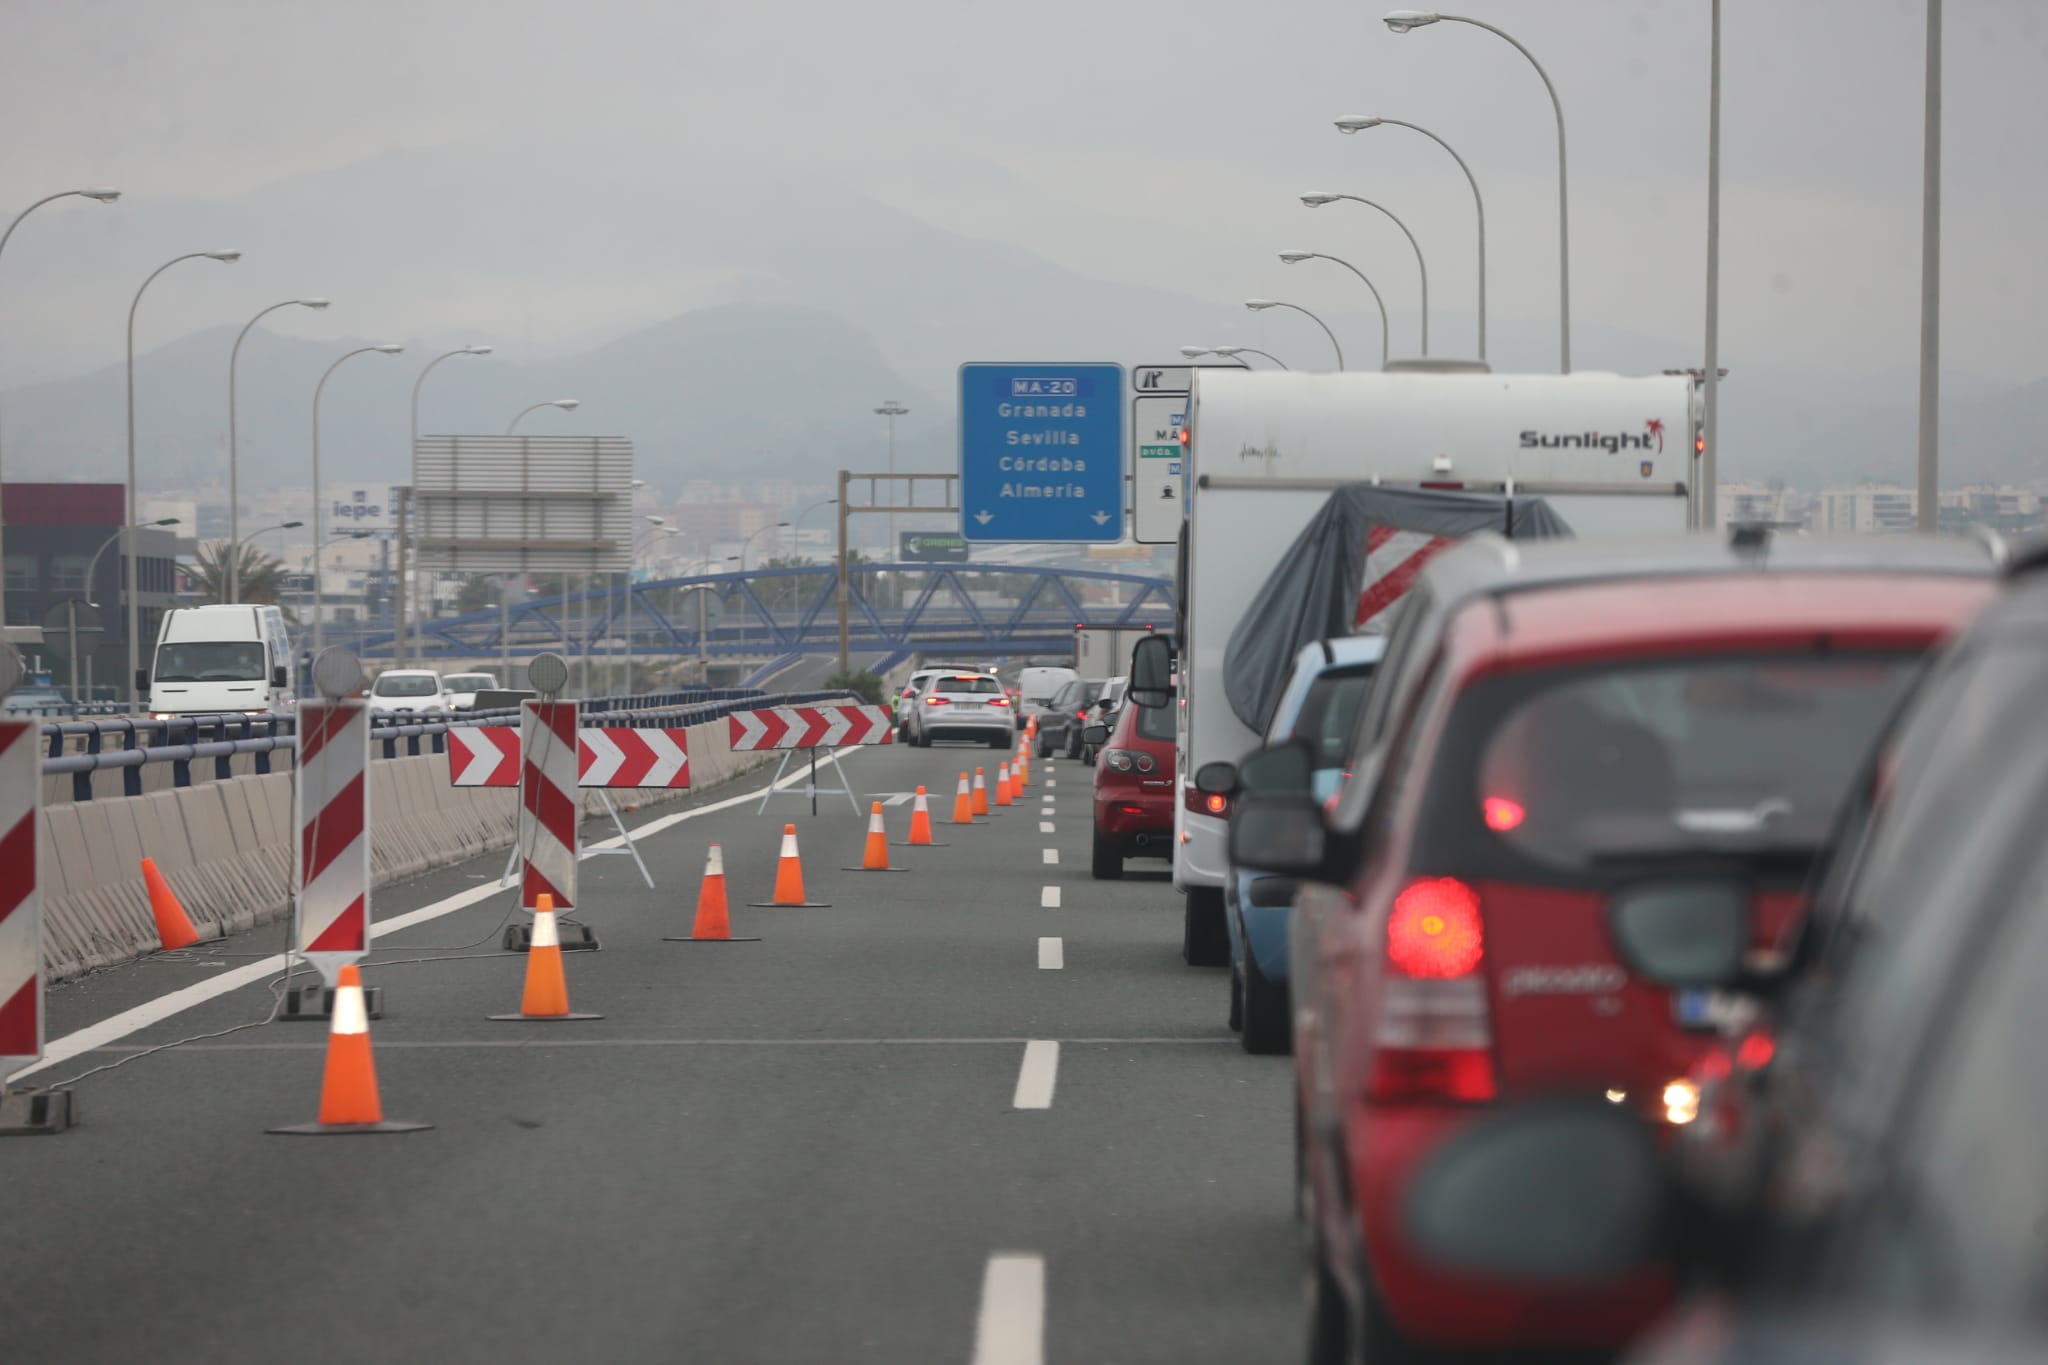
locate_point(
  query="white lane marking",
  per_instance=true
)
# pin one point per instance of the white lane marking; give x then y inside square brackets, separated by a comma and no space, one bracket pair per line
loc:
[1052,954]
[1050,782]
[1052,855]
[1049,898]
[1010,1329]
[119,1026]
[1045,826]
[1036,1077]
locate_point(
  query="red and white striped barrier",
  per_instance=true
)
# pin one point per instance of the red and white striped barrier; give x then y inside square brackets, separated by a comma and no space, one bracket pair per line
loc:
[811,727]
[549,808]
[331,873]
[606,756]
[21,903]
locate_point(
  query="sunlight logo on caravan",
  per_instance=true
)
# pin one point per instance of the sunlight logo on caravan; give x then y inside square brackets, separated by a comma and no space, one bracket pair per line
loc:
[1650,438]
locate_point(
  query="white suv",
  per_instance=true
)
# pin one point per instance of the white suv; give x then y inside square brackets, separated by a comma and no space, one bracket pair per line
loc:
[407,689]
[970,706]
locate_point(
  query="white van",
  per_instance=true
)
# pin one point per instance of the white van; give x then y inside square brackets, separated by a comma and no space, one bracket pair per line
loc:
[222,658]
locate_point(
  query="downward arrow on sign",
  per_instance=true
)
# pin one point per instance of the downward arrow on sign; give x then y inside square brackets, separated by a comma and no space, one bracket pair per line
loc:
[984,517]
[1101,518]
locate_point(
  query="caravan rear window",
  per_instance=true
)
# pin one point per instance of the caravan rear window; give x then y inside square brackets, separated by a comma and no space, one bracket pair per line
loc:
[190,661]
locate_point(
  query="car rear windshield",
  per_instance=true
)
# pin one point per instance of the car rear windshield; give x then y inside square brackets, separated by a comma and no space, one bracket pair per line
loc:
[470,682]
[1077,695]
[974,686]
[1575,770]
[389,686]
[192,661]
[1329,711]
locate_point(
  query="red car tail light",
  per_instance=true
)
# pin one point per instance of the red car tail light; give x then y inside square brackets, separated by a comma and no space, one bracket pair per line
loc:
[1434,1034]
[1205,803]
[1502,814]
[998,701]
[935,701]
[1127,760]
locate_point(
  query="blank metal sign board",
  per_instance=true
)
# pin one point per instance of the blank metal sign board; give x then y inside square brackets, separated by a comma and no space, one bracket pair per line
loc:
[1042,452]
[512,504]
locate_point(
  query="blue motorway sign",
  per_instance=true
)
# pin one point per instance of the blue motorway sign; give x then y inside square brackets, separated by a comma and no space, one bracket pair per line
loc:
[1042,452]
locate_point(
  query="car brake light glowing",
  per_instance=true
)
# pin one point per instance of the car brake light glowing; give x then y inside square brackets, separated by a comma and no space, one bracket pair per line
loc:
[1434,930]
[1502,814]
[1756,1051]
[1217,803]
[936,701]
[999,701]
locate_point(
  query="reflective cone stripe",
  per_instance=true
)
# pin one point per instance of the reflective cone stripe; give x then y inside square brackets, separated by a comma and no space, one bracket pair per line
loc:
[876,858]
[963,804]
[789,871]
[173,927]
[547,990]
[348,1089]
[714,919]
[920,820]
[980,791]
[1003,796]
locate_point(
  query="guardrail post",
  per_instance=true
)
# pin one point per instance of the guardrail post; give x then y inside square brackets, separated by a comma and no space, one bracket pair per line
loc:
[181,771]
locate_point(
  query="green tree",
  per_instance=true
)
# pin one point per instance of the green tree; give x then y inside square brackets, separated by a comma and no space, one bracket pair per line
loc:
[261,575]
[862,684]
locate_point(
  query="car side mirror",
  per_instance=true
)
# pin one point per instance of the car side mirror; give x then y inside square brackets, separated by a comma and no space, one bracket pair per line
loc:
[141,681]
[280,676]
[1288,766]
[1690,932]
[1151,683]
[1281,833]
[1216,779]
[1096,735]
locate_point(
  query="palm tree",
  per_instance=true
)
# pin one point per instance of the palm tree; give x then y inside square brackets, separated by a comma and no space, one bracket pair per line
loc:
[261,575]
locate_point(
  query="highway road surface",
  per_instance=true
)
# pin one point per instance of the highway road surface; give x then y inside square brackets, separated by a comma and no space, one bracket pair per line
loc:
[975,1111]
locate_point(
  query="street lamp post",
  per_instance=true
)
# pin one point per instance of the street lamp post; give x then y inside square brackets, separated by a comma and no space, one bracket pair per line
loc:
[104,197]
[746,545]
[1930,281]
[1297,257]
[1401,21]
[133,575]
[658,527]
[398,597]
[1261,305]
[1196,352]
[505,588]
[1358,123]
[1316,199]
[234,445]
[92,566]
[319,502]
[892,410]
[565,404]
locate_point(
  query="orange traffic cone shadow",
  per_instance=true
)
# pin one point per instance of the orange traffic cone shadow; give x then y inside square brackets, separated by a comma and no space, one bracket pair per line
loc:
[875,857]
[789,881]
[546,998]
[173,926]
[921,825]
[348,1090]
[980,791]
[714,920]
[1005,791]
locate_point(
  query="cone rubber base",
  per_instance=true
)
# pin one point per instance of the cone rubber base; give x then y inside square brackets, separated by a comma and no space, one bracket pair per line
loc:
[26,1113]
[874,869]
[543,1018]
[789,905]
[349,1129]
[576,938]
[684,938]
[317,1003]
[907,844]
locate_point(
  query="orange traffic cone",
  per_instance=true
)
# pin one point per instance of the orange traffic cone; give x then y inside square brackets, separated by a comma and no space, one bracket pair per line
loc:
[348,1089]
[1021,767]
[714,921]
[546,998]
[921,824]
[1003,790]
[789,879]
[980,791]
[173,927]
[875,857]
[963,804]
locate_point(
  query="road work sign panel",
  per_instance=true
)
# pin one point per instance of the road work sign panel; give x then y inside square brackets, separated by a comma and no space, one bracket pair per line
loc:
[1042,452]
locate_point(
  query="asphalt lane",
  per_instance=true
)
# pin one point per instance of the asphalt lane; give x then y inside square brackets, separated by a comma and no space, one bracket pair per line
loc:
[802,1149]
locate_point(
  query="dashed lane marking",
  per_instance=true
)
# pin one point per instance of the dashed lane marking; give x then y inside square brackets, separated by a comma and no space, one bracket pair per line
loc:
[1052,954]
[1052,855]
[1049,898]
[1036,1077]
[1045,826]
[1010,1328]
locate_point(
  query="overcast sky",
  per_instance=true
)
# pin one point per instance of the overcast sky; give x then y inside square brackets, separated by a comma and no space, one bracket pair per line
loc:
[1148,143]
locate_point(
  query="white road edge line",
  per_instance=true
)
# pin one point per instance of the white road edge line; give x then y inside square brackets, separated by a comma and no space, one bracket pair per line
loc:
[1045,826]
[1052,955]
[1037,1076]
[119,1026]
[1049,898]
[1010,1328]
[1052,855]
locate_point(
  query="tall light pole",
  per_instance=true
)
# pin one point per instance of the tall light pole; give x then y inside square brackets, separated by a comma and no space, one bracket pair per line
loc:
[1401,21]
[565,404]
[658,526]
[1316,199]
[1709,473]
[1297,257]
[1196,352]
[1358,123]
[398,597]
[133,576]
[92,566]
[892,410]
[234,445]
[1930,282]
[319,500]
[104,197]
[1261,305]
[745,545]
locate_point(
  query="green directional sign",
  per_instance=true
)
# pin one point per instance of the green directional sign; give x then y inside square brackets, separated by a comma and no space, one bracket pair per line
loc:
[932,547]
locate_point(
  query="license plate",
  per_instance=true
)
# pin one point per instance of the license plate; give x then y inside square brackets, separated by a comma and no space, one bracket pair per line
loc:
[1704,1010]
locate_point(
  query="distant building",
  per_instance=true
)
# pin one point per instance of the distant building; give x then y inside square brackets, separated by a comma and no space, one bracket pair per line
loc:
[1866,509]
[2001,508]
[1750,502]
[61,543]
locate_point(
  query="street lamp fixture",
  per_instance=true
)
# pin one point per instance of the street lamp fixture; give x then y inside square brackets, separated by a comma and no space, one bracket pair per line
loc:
[1261,305]
[1195,352]
[319,502]
[1401,20]
[234,444]
[1358,123]
[92,565]
[398,597]
[1317,198]
[1297,257]
[565,404]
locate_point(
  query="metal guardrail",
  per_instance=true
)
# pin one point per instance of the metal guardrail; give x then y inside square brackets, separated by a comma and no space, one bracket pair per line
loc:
[129,743]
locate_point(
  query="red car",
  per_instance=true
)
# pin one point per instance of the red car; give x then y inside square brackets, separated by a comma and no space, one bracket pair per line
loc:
[1562,734]
[1134,787]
